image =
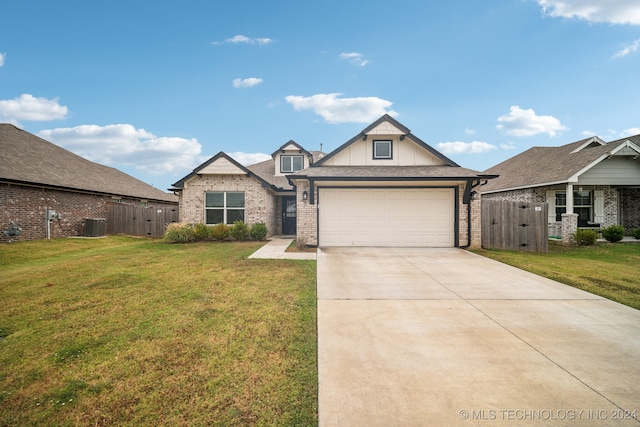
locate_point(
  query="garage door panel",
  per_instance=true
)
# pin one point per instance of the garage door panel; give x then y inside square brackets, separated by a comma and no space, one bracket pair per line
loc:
[386,217]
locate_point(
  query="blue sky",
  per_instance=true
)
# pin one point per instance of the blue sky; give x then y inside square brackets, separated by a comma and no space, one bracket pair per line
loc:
[156,88]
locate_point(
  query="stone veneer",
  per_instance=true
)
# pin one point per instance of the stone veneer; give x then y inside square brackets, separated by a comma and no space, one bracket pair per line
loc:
[260,203]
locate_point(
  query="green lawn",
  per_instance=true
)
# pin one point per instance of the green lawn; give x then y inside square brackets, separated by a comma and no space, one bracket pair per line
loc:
[611,270]
[125,331]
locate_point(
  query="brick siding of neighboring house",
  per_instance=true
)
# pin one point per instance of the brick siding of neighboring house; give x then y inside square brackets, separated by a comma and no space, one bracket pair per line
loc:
[630,208]
[260,204]
[27,206]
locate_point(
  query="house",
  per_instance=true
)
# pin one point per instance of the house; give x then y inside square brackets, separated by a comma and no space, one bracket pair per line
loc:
[588,183]
[38,178]
[383,187]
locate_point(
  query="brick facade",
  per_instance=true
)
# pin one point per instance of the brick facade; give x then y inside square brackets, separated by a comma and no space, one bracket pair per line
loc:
[307,226]
[630,208]
[27,206]
[260,203]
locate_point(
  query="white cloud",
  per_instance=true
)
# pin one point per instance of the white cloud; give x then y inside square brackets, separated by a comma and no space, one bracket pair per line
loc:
[507,146]
[354,58]
[247,159]
[610,11]
[244,83]
[123,144]
[629,132]
[27,107]
[633,47]
[457,147]
[469,131]
[342,110]
[246,40]
[2,56]
[588,133]
[519,122]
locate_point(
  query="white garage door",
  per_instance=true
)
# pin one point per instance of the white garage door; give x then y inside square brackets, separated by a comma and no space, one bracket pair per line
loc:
[386,217]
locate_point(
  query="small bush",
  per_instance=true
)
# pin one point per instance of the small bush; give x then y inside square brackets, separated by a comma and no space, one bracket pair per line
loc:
[614,233]
[258,231]
[585,237]
[179,233]
[301,243]
[201,231]
[239,230]
[219,231]
[636,233]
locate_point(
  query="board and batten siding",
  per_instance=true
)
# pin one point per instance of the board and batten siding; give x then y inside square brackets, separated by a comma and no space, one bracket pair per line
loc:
[614,171]
[404,153]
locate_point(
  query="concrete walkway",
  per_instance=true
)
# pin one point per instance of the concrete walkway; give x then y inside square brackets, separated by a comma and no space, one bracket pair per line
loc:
[276,249]
[421,337]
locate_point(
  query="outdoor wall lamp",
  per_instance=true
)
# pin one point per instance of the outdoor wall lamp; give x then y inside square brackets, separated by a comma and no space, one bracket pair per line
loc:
[305,195]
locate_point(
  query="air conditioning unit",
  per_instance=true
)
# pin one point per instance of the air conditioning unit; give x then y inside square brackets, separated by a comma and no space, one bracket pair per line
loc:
[94,227]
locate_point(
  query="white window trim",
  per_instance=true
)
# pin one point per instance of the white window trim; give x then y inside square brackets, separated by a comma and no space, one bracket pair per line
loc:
[224,207]
[291,157]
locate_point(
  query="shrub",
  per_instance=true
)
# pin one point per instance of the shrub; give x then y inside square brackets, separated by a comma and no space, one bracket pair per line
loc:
[239,230]
[258,231]
[201,231]
[179,233]
[301,243]
[219,231]
[614,233]
[636,233]
[585,237]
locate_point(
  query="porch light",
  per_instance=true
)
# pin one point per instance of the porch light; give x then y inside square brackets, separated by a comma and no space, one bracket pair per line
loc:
[305,195]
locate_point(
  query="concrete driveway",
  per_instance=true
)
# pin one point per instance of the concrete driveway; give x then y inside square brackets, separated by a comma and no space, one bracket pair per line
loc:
[421,337]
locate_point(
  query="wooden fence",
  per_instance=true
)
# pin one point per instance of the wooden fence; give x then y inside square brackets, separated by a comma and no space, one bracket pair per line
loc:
[520,226]
[139,221]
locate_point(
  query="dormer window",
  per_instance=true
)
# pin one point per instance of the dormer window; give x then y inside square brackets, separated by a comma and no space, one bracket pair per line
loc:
[291,163]
[382,149]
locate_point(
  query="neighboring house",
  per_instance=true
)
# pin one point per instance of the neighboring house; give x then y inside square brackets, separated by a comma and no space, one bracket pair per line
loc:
[383,187]
[37,177]
[588,183]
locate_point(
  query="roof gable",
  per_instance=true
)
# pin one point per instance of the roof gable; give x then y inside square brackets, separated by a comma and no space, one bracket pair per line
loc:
[291,145]
[409,150]
[221,164]
[542,166]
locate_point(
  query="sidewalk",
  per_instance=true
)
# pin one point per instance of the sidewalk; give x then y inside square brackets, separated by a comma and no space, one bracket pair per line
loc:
[276,249]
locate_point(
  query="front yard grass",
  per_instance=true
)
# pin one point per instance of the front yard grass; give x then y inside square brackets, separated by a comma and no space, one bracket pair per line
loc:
[611,270]
[126,331]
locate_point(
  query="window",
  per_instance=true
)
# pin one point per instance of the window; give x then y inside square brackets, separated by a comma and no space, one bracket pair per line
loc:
[291,163]
[144,203]
[582,205]
[382,149]
[224,207]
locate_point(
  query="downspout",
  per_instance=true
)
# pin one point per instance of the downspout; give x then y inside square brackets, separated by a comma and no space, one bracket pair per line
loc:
[470,185]
[474,183]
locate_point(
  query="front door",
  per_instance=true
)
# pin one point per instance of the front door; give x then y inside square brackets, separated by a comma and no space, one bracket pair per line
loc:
[289,215]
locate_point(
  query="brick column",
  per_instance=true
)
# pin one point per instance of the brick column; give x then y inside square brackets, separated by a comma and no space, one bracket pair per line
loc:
[569,227]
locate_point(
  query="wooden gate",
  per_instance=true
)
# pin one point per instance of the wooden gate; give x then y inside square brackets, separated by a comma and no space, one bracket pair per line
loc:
[139,221]
[520,226]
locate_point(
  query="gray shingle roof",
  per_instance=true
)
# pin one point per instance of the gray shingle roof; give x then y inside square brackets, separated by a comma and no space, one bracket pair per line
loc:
[26,158]
[387,172]
[540,166]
